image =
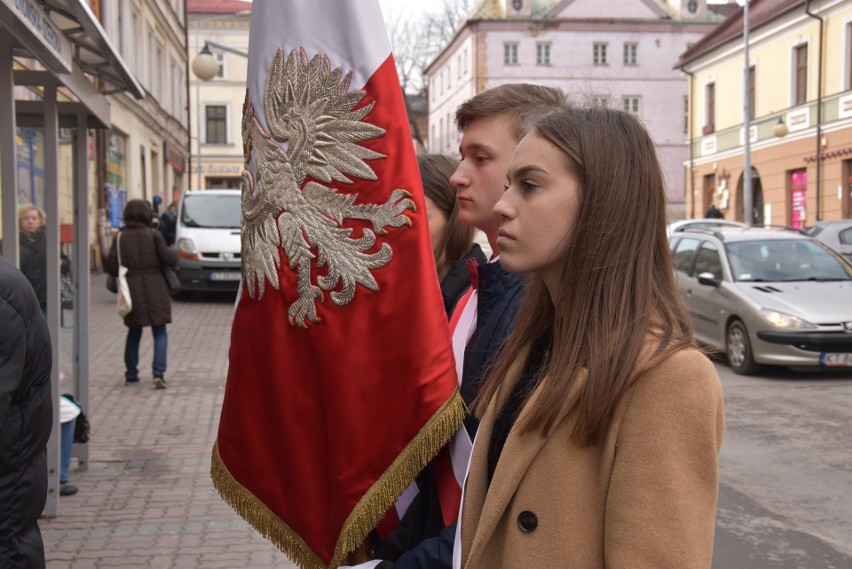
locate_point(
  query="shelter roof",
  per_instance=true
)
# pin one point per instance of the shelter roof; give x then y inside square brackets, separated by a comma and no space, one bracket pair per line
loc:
[93,50]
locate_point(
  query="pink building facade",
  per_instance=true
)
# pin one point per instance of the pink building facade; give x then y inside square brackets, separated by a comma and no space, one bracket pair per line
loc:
[616,53]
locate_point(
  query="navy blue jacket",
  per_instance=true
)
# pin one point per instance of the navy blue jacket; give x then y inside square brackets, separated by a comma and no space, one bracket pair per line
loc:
[499,298]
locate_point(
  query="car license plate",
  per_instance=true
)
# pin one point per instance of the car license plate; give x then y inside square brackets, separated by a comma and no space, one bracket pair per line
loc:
[835,359]
[225,276]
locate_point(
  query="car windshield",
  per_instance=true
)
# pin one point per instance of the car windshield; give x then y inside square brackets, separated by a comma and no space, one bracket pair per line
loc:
[786,260]
[211,210]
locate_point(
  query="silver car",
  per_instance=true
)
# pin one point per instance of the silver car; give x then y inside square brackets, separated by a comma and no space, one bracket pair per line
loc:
[702,223]
[765,296]
[835,234]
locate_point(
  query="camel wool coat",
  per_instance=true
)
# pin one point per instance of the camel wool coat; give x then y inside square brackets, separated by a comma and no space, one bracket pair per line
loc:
[644,498]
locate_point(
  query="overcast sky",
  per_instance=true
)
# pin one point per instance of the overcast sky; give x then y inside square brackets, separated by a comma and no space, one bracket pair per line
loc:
[405,9]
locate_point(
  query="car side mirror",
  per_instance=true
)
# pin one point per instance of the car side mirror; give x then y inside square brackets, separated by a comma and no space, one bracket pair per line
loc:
[708,279]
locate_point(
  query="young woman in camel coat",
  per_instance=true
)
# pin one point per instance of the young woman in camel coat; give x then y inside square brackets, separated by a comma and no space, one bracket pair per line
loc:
[601,422]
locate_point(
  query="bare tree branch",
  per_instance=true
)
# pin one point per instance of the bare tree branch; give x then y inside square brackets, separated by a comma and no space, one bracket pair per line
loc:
[415,43]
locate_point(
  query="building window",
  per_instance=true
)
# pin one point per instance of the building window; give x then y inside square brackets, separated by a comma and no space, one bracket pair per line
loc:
[465,62]
[458,67]
[600,53]
[136,38]
[510,53]
[631,104]
[849,56]
[710,108]
[800,92]
[630,50]
[152,66]
[751,99]
[542,53]
[600,101]
[685,114]
[175,87]
[158,74]
[216,124]
[220,59]
[709,191]
[122,48]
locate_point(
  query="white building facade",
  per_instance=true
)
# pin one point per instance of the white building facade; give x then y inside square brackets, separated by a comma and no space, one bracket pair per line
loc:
[146,151]
[616,53]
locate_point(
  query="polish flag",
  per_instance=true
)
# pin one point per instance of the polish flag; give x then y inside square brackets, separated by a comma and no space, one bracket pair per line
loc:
[341,382]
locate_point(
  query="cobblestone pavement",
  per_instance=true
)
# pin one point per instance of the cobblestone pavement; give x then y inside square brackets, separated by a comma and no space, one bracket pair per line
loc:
[146,499]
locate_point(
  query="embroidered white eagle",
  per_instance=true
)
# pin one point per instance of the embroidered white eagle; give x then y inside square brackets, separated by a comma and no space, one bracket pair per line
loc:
[312,130]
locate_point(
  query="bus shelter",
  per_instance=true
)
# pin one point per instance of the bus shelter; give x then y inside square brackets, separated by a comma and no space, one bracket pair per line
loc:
[58,49]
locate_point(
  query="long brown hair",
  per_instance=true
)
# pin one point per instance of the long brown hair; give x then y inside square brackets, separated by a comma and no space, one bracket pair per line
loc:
[617,284]
[457,238]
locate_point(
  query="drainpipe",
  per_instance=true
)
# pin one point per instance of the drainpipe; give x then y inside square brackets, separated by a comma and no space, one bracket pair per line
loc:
[187,183]
[691,116]
[819,106]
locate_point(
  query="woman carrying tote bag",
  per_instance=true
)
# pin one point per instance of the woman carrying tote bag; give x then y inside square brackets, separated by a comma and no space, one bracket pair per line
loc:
[143,252]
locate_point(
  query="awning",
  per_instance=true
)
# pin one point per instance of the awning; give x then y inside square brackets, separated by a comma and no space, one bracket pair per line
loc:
[71,33]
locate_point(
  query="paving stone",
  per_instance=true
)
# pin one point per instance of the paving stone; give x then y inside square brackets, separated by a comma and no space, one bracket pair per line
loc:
[146,499]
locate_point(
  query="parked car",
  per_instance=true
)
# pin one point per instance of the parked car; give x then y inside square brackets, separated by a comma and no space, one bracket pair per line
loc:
[835,234]
[766,296]
[701,223]
[208,240]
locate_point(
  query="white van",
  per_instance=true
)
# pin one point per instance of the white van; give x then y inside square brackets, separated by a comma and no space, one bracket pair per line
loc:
[208,240]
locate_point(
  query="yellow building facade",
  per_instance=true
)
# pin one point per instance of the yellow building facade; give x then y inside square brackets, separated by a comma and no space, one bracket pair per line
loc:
[799,91]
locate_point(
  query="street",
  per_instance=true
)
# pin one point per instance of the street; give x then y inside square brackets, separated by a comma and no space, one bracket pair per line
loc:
[146,500]
[786,490]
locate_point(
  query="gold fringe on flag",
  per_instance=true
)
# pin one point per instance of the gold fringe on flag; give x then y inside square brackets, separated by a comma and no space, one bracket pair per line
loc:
[370,509]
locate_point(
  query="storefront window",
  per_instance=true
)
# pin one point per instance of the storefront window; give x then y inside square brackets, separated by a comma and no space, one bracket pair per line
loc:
[116,183]
[798,194]
[30,147]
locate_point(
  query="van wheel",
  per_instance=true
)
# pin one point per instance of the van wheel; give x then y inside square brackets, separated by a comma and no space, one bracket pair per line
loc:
[739,351]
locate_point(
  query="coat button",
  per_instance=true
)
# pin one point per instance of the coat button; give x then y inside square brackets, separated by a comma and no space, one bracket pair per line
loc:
[527,521]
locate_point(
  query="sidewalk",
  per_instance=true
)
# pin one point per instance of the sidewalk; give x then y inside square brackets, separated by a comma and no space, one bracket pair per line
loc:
[147,500]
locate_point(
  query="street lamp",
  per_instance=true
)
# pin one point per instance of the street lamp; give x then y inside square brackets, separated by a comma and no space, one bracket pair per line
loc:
[205,66]
[780,129]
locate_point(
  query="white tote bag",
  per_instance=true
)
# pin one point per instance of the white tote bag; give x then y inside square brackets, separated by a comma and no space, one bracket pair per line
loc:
[124,304]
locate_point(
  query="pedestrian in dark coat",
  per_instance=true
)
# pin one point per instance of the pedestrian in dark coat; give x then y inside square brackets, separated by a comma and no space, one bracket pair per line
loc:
[144,252]
[26,418]
[168,223]
[714,213]
[33,250]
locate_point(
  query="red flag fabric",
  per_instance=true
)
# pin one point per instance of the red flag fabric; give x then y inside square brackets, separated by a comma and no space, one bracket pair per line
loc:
[341,381]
